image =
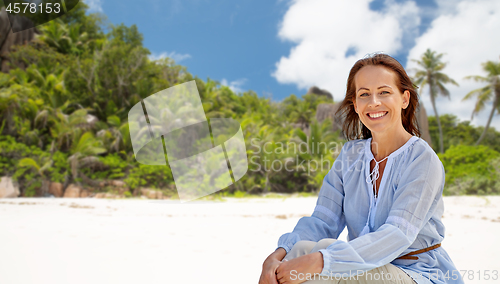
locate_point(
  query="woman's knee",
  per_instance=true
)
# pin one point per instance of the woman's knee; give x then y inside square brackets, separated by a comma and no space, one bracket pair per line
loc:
[300,248]
[384,274]
[322,244]
[304,245]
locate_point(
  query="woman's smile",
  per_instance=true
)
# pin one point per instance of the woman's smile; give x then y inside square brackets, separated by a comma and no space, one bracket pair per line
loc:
[377,115]
[378,100]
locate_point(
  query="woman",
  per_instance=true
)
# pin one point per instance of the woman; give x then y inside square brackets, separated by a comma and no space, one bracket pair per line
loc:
[386,186]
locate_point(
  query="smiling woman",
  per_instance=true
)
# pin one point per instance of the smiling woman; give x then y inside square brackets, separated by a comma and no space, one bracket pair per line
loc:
[385,186]
[393,73]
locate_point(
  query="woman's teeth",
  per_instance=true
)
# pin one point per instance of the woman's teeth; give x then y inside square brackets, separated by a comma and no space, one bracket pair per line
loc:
[376,115]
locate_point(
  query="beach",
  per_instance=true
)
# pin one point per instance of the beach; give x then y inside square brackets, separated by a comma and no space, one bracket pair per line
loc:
[87,240]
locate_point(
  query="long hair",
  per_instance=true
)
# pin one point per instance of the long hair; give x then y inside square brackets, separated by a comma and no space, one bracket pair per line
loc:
[352,126]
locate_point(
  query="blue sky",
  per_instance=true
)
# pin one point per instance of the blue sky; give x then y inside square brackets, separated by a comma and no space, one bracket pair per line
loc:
[280,47]
[226,39]
[232,40]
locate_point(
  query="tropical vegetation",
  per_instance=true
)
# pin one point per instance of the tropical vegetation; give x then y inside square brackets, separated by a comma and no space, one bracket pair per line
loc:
[64,118]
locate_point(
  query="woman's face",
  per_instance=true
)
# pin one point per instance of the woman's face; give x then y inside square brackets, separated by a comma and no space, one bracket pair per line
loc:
[378,101]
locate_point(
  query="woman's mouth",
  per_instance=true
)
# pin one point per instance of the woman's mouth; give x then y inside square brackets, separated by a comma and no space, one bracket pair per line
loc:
[377,115]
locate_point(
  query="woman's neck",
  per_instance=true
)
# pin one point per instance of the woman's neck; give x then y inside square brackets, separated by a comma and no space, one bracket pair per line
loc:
[383,145]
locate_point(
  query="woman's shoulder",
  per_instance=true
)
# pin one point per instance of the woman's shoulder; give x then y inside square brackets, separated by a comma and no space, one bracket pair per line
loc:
[352,153]
[353,148]
[420,148]
[421,155]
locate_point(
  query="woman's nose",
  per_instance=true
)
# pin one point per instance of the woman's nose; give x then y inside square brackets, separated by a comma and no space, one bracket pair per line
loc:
[374,100]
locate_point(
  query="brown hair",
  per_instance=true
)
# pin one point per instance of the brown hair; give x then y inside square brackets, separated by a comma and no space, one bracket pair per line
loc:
[352,124]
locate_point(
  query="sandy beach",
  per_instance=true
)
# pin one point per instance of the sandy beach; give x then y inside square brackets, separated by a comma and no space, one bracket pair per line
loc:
[143,241]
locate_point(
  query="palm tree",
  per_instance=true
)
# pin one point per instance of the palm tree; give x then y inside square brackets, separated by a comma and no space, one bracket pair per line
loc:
[64,38]
[83,153]
[269,155]
[55,34]
[302,114]
[65,126]
[486,93]
[113,138]
[41,166]
[431,75]
[16,90]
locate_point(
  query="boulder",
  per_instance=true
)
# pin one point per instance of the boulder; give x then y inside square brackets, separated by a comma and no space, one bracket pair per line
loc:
[144,191]
[122,190]
[9,39]
[7,188]
[117,183]
[92,120]
[320,92]
[151,193]
[84,193]
[100,195]
[72,191]
[56,189]
[327,111]
[111,195]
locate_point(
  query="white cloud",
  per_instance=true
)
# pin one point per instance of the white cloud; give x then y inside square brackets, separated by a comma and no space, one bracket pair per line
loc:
[468,37]
[325,30]
[235,86]
[94,5]
[177,57]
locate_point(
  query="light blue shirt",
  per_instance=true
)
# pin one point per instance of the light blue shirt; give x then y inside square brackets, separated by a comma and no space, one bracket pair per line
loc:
[405,217]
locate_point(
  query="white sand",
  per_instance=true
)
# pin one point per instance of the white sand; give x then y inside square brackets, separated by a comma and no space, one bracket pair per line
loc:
[142,241]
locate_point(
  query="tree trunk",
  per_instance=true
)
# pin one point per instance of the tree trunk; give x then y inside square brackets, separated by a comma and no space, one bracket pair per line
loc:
[493,108]
[88,180]
[67,181]
[266,187]
[45,187]
[438,122]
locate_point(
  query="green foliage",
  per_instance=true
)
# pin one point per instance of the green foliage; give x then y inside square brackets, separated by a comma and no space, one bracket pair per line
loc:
[461,133]
[60,168]
[149,176]
[11,152]
[470,169]
[64,118]
[115,168]
[27,174]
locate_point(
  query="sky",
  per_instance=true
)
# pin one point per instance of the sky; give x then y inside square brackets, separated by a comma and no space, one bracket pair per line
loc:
[282,47]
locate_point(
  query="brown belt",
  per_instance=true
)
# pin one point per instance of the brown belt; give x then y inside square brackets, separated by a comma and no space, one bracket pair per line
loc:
[409,255]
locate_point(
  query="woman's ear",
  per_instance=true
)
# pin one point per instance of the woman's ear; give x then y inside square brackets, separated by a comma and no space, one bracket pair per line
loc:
[406,99]
[355,108]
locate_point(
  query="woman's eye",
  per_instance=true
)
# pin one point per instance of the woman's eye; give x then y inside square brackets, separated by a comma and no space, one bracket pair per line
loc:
[386,92]
[363,94]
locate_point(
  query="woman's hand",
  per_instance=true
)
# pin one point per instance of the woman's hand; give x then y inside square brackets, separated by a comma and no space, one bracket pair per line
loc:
[300,269]
[269,267]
